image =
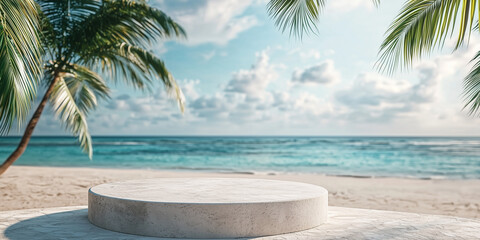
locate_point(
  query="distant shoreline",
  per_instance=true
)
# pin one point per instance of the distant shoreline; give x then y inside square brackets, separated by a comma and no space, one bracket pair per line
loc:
[251,173]
[37,187]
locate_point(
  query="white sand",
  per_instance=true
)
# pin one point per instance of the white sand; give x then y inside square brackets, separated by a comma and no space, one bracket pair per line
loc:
[35,187]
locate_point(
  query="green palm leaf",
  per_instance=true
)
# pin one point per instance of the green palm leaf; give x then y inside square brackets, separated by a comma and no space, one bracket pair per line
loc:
[423,25]
[299,17]
[85,87]
[137,67]
[71,116]
[20,60]
[124,21]
[471,88]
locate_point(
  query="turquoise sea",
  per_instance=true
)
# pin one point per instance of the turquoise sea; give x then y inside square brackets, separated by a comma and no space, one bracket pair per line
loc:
[412,157]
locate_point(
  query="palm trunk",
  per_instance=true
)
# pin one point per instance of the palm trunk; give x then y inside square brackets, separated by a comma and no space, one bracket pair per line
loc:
[29,130]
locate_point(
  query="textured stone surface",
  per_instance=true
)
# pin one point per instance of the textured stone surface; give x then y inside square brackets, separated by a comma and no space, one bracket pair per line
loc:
[343,223]
[207,207]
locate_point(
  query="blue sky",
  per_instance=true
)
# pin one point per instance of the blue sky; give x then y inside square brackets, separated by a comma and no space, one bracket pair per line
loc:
[241,76]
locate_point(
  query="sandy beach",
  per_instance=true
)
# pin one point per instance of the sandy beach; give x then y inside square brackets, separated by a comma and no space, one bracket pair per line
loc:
[37,187]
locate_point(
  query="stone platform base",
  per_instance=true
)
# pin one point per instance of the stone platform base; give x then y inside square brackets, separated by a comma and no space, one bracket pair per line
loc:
[207,208]
[343,223]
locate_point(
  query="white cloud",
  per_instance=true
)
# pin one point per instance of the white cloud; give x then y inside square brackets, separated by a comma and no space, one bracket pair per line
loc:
[210,21]
[254,81]
[322,73]
[313,54]
[189,89]
[247,100]
[311,108]
[307,54]
[373,97]
[244,99]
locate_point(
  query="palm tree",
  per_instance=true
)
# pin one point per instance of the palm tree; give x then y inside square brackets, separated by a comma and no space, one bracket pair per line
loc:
[424,25]
[84,40]
[20,60]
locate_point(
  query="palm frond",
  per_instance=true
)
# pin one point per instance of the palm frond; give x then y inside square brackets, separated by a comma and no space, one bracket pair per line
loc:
[71,115]
[423,25]
[299,16]
[59,19]
[115,37]
[137,67]
[85,86]
[471,87]
[20,60]
[121,21]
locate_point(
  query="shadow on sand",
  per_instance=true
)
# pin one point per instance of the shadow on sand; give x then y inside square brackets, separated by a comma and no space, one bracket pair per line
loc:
[63,225]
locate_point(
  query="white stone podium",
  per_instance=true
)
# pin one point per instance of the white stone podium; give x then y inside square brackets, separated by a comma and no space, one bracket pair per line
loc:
[207,207]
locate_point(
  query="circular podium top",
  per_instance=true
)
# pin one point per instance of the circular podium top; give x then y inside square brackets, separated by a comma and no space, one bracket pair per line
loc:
[209,190]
